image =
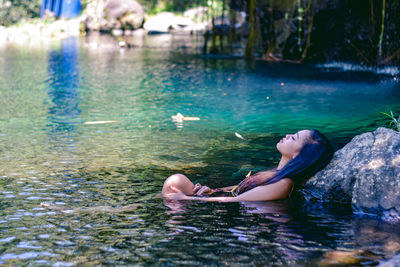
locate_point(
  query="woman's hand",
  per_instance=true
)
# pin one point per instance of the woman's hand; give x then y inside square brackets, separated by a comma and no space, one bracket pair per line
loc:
[202,190]
[177,195]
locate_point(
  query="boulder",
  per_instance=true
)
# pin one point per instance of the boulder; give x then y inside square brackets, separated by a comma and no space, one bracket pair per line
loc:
[393,262]
[365,172]
[196,14]
[107,15]
[129,12]
[3,34]
[166,21]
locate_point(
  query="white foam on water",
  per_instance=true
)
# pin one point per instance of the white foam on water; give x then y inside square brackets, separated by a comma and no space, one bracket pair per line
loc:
[388,70]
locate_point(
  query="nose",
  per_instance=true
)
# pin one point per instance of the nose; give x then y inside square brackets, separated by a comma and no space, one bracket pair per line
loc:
[287,136]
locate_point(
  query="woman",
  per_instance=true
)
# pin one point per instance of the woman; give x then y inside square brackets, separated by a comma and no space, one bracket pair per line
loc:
[303,155]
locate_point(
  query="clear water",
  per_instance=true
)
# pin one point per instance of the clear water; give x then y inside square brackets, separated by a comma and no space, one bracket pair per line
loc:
[105,177]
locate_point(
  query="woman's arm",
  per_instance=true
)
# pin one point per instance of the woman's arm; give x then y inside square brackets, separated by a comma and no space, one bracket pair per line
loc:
[275,191]
[203,190]
[227,189]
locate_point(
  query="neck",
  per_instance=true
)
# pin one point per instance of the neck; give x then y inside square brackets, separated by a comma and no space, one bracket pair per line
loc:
[284,160]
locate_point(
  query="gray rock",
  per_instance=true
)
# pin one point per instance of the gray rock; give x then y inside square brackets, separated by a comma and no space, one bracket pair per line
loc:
[129,12]
[106,15]
[197,13]
[117,32]
[366,172]
[3,34]
[167,21]
[393,262]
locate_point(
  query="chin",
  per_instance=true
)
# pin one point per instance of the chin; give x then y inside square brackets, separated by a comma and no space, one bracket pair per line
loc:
[278,145]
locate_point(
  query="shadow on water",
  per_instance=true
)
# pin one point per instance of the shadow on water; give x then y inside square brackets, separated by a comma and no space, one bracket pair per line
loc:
[322,72]
[276,230]
[344,72]
[112,217]
[157,231]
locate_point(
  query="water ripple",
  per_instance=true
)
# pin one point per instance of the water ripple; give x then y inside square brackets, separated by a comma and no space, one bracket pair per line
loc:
[101,180]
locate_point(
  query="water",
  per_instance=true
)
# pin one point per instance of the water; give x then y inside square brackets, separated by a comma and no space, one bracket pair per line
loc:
[104,178]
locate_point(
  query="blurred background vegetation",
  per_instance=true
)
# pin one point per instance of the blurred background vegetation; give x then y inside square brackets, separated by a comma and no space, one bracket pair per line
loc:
[361,31]
[15,11]
[156,6]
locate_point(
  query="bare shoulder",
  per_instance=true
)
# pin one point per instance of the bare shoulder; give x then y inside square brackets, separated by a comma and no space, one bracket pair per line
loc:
[287,181]
[274,191]
[287,186]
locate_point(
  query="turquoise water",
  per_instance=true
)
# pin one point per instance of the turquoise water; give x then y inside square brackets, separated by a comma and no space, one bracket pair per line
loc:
[104,178]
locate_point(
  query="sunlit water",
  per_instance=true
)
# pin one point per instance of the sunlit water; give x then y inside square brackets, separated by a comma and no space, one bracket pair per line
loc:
[105,177]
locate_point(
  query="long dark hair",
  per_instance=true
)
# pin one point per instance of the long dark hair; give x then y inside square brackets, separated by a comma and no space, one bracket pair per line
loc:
[313,157]
[316,153]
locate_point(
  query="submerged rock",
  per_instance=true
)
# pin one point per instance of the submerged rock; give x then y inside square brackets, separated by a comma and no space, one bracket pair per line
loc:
[366,172]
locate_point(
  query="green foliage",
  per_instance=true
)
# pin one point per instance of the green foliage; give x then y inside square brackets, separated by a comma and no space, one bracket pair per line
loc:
[157,6]
[84,3]
[393,123]
[15,11]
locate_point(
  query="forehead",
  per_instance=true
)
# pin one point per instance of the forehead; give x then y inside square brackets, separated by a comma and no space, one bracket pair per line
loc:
[304,134]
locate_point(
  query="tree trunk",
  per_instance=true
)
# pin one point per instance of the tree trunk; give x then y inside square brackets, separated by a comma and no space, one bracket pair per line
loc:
[310,8]
[232,31]
[214,49]
[249,52]
[382,29]
[222,29]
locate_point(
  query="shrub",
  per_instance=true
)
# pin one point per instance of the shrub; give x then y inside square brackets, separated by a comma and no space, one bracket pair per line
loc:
[12,12]
[393,122]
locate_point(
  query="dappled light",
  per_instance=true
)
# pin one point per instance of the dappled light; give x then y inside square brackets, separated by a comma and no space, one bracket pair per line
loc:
[374,164]
[381,140]
[102,100]
[92,134]
[396,161]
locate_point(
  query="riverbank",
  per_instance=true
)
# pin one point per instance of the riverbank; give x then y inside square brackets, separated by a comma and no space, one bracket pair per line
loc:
[295,32]
[363,173]
[40,31]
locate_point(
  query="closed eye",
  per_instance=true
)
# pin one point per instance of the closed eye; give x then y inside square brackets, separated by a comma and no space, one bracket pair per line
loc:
[293,138]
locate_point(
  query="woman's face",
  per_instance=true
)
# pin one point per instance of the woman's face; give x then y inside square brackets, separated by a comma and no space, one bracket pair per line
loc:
[291,145]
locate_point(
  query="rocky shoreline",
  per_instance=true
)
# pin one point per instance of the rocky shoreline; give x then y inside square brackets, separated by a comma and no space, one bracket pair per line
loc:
[39,31]
[295,32]
[365,173]
[116,18]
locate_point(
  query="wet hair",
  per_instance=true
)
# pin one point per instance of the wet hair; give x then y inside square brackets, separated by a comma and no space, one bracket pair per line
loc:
[313,157]
[315,154]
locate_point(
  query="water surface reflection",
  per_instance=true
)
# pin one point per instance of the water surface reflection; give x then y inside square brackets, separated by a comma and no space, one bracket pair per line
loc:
[63,83]
[63,90]
[104,178]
